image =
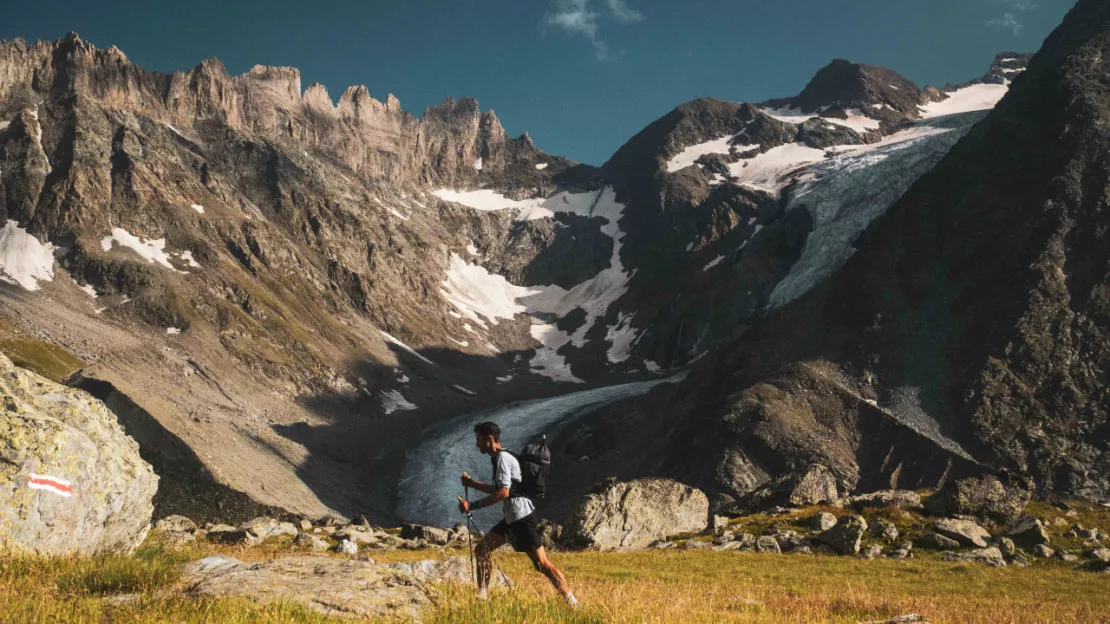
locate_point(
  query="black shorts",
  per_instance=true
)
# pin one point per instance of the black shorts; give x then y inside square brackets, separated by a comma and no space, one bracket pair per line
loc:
[522,534]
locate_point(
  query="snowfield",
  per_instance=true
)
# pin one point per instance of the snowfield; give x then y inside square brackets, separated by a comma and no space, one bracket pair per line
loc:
[151,250]
[690,155]
[480,296]
[23,259]
[974,98]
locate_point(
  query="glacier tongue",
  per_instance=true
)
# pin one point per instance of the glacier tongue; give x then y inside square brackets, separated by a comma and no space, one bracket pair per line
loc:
[846,193]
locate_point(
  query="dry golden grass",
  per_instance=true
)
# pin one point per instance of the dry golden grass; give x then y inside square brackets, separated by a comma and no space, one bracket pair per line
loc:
[646,586]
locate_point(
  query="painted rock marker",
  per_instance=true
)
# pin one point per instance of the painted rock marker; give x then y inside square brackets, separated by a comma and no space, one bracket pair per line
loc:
[54,485]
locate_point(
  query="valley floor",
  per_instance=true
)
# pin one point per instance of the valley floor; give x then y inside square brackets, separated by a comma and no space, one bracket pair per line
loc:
[642,586]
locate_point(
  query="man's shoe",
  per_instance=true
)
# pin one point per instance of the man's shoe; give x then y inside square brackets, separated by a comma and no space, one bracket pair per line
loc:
[572,602]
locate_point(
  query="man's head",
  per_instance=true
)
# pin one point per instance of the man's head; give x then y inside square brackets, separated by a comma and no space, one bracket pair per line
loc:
[487,437]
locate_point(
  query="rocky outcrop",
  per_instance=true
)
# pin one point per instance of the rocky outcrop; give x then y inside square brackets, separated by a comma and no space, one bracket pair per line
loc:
[990,555]
[636,513]
[814,485]
[985,497]
[71,482]
[1027,532]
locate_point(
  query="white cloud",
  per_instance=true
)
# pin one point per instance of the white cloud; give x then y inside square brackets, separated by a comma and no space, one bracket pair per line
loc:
[1006,22]
[580,17]
[1019,5]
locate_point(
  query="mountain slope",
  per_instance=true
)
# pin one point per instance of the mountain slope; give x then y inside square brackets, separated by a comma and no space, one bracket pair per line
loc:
[972,315]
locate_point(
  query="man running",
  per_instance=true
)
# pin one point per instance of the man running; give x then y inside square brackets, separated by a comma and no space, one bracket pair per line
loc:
[519,525]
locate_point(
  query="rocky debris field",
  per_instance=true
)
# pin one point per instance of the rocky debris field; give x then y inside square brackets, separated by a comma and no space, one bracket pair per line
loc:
[664,514]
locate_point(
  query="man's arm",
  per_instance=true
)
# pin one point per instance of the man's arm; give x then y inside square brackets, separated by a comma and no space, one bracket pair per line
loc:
[496,496]
[469,482]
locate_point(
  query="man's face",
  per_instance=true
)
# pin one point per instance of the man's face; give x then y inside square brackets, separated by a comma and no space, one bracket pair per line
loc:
[483,442]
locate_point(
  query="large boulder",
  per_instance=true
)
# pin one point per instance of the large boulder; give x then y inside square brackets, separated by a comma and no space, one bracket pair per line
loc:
[988,497]
[906,499]
[1027,532]
[846,535]
[966,532]
[71,481]
[990,555]
[636,513]
[814,485]
[338,587]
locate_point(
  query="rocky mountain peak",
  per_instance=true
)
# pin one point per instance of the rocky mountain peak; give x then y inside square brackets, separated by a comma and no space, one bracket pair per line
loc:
[845,85]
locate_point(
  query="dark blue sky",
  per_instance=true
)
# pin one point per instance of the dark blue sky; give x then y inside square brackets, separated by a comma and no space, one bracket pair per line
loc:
[582,76]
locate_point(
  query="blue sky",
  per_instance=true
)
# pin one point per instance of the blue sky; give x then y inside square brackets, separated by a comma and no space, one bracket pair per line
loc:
[582,76]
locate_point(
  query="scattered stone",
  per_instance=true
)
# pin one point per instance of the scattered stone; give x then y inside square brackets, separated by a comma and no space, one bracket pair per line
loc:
[936,541]
[812,486]
[311,542]
[965,532]
[432,535]
[693,544]
[636,513]
[990,555]
[1064,555]
[1043,552]
[846,535]
[823,521]
[1070,534]
[71,480]
[1101,554]
[1006,545]
[357,534]
[909,618]
[900,553]
[725,537]
[663,545]
[304,524]
[720,523]
[1058,522]
[1019,561]
[175,524]
[265,528]
[233,536]
[346,547]
[415,544]
[789,541]
[906,499]
[986,497]
[177,538]
[872,551]
[767,544]
[886,530]
[1027,532]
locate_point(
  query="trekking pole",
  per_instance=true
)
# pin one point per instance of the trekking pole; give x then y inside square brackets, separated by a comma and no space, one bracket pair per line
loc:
[470,538]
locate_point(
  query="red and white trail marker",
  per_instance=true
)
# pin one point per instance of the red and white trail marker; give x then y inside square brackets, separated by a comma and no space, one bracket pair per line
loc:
[54,485]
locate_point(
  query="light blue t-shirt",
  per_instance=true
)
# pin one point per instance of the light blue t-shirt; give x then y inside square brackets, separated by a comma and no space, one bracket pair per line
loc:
[505,472]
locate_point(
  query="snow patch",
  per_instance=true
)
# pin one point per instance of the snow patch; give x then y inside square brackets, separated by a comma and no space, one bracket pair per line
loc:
[770,170]
[461,343]
[690,155]
[151,250]
[471,249]
[172,331]
[198,208]
[541,166]
[393,211]
[972,98]
[23,259]
[652,367]
[623,337]
[475,292]
[478,164]
[187,256]
[89,289]
[404,347]
[393,401]
[463,390]
[714,262]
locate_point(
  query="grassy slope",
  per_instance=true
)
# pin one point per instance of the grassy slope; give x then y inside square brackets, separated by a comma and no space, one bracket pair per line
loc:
[645,586]
[50,361]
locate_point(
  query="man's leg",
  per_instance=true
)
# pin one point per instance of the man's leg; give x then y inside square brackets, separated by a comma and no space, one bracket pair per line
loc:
[552,572]
[491,542]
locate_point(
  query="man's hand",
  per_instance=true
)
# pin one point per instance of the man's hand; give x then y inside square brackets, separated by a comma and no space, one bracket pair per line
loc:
[467,481]
[464,506]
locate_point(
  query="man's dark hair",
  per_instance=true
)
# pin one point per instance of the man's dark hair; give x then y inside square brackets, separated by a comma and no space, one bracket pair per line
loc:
[488,428]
